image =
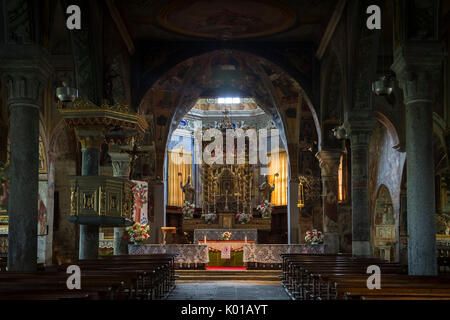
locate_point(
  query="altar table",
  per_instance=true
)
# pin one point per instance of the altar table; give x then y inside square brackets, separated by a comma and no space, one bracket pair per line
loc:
[252,253]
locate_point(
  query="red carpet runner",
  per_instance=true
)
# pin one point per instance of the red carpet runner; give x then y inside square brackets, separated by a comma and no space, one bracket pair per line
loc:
[226,268]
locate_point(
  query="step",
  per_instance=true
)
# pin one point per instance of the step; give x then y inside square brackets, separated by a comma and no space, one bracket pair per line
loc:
[223,275]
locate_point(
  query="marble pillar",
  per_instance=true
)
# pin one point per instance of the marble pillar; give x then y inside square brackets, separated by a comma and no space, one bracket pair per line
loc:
[329,164]
[24,69]
[418,68]
[121,168]
[360,137]
[293,213]
[91,141]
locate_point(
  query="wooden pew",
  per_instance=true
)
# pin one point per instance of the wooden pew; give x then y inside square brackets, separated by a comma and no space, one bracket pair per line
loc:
[124,277]
[328,277]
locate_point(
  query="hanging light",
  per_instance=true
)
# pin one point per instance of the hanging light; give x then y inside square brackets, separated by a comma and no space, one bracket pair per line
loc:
[340,133]
[301,196]
[384,85]
[66,94]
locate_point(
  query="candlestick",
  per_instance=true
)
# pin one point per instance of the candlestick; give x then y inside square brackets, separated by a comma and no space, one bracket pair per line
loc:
[245,238]
[204,239]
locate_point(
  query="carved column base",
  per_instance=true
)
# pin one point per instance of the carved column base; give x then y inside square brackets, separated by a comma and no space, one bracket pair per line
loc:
[331,243]
[361,249]
[88,242]
[120,244]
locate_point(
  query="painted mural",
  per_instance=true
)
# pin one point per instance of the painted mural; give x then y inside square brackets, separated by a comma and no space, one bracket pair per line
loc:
[385,177]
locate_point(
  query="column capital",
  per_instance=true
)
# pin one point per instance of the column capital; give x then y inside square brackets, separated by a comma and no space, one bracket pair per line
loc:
[120,164]
[90,138]
[359,131]
[418,68]
[25,70]
[329,161]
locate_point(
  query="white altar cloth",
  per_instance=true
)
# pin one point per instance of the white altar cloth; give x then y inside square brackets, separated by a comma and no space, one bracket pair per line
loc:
[270,253]
[187,253]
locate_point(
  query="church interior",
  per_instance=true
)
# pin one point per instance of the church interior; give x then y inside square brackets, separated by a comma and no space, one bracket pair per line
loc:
[153,143]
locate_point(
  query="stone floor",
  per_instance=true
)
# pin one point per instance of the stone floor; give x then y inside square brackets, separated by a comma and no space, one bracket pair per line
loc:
[228,290]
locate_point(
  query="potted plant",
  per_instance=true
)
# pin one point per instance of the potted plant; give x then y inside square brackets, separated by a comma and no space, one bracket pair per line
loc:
[226,235]
[188,210]
[266,209]
[244,218]
[314,237]
[209,217]
[137,233]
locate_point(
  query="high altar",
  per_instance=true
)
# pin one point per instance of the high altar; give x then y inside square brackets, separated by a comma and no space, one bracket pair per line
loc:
[228,189]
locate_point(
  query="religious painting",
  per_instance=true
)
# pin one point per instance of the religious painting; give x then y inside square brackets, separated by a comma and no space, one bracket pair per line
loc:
[4,196]
[384,218]
[42,157]
[42,208]
[140,200]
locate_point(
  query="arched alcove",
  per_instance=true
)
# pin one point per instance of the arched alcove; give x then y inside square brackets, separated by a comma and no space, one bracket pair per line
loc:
[384,225]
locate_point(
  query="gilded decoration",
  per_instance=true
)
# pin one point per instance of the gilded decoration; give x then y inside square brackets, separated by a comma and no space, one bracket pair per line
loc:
[83,113]
[95,196]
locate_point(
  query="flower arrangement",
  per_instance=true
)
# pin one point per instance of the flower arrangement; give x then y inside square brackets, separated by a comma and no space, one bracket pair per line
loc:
[226,235]
[265,208]
[244,217]
[137,233]
[209,217]
[188,210]
[314,237]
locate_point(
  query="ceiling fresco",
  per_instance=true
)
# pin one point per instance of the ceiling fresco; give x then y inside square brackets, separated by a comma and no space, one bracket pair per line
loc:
[226,20]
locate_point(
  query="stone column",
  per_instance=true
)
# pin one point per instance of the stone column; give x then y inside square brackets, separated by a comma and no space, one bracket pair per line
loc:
[329,164]
[91,141]
[24,69]
[360,137]
[418,69]
[121,169]
[156,189]
[293,215]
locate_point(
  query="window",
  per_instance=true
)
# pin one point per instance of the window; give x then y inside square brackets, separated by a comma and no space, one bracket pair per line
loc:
[342,180]
[279,194]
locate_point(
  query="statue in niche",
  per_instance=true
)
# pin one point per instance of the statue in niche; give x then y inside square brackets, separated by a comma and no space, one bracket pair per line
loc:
[266,189]
[188,190]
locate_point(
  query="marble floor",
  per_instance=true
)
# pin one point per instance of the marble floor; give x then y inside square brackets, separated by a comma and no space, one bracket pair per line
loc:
[228,290]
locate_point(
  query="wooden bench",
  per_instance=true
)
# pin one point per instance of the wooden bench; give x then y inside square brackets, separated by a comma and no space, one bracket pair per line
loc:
[342,277]
[118,277]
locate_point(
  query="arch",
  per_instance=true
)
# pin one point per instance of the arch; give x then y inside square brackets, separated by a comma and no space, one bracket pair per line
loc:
[201,48]
[196,68]
[385,121]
